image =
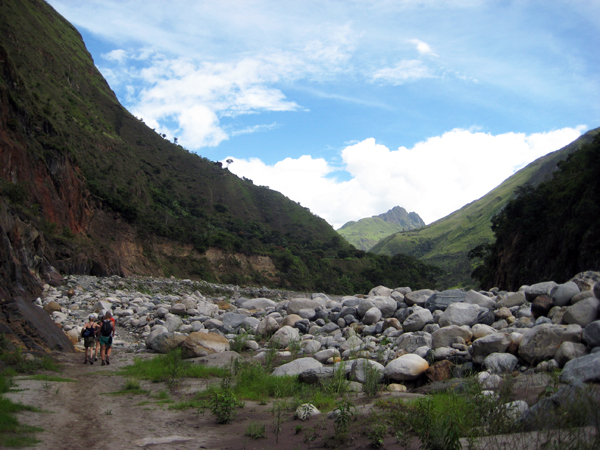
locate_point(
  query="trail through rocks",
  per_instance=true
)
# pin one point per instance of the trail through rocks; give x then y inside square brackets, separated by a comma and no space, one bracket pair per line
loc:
[87,413]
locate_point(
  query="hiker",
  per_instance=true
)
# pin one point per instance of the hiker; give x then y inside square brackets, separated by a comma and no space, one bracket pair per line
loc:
[106,335]
[114,324]
[88,333]
[98,324]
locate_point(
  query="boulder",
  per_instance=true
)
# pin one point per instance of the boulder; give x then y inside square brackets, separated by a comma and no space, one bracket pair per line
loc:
[284,336]
[297,304]
[291,320]
[380,291]
[441,300]
[371,316]
[563,293]
[296,367]
[440,371]
[541,306]
[358,372]
[256,303]
[500,362]
[323,355]
[202,344]
[165,342]
[267,326]
[582,313]
[417,320]
[535,290]
[585,369]
[586,280]
[542,341]
[233,320]
[178,309]
[418,297]
[405,368]
[311,346]
[156,331]
[173,322]
[492,343]
[568,351]
[316,375]
[207,309]
[352,343]
[412,341]
[459,313]
[480,330]
[475,298]
[386,305]
[511,299]
[445,337]
[591,334]
[52,307]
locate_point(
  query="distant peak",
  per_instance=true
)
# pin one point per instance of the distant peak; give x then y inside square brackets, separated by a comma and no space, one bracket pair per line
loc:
[399,215]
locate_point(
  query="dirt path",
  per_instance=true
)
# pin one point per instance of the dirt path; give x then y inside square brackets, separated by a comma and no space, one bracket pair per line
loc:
[83,413]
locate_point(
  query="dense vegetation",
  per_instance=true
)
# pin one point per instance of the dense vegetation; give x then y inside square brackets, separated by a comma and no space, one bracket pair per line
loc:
[550,232]
[57,106]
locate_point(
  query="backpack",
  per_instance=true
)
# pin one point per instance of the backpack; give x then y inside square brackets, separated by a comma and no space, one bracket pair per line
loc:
[106,329]
[87,332]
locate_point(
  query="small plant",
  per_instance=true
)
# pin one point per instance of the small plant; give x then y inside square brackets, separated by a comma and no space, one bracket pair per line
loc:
[256,430]
[279,408]
[377,434]
[223,403]
[131,385]
[298,429]
[343,417]
[295,348]
[108,412]
[372,376]
[239,342]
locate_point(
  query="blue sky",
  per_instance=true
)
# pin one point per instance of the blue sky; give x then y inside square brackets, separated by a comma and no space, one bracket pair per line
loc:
[354,107]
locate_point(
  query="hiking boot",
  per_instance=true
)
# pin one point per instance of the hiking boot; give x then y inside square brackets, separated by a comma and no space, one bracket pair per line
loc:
[91,362]
[107,361]
[95,358]
[85,361]
[103,363]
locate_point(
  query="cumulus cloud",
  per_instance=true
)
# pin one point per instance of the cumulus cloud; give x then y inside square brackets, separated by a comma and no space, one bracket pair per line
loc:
[433,178]
[422,47]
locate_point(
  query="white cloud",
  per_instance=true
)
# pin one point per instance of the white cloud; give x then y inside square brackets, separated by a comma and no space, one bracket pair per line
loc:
[403,72]
[118,55]
[434,178]
[422,47]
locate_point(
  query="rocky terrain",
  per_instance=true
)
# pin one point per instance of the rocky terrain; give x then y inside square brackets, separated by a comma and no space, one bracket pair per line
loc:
[418,342]
[410,337]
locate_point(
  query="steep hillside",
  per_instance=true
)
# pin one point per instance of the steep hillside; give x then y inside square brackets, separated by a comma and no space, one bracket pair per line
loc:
[551,231]
[367,232]
[446,242]
[85,187]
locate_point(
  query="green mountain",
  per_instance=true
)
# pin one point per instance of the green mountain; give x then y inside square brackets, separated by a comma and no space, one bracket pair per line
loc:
[86,187]
[549,232]
[367,232]
[447,242]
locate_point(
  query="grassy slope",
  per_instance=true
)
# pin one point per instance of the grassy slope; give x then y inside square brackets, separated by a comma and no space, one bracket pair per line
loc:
[446,242]
[68,110]
[367,232]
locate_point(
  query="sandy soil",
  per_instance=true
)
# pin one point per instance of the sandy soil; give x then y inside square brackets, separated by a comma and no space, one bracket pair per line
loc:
[84,414]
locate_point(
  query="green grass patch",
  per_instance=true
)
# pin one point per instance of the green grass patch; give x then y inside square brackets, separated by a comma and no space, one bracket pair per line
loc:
[12,433]
[165,368]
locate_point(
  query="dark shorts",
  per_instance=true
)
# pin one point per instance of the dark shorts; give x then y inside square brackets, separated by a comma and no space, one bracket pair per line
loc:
[89,341]
[106,340]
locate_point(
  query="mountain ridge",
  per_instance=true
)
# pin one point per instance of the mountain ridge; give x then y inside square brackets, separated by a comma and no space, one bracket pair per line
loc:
[366,232]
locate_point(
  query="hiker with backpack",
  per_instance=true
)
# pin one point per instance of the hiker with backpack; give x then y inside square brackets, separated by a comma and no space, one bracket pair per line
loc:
[107,330]
[88,333]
